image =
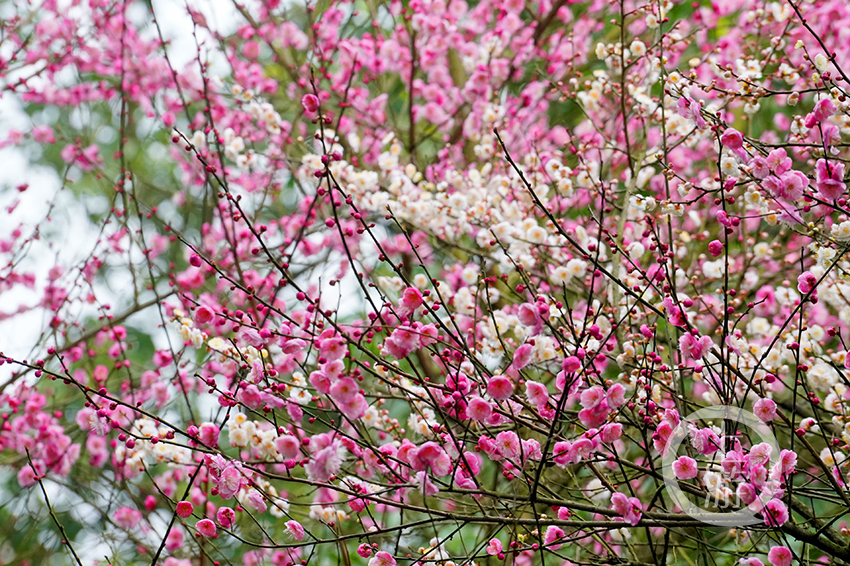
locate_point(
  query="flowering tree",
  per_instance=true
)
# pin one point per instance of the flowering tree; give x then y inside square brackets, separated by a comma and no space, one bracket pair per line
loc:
[426,283]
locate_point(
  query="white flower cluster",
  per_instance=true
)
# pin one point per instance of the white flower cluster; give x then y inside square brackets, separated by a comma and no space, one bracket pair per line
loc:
[188,332]
[841,231]
[247,352]
[481,204]
[163,451]
[244,433]
[298,392]
[327,514]
[234,146]
[436,553]
[422,418]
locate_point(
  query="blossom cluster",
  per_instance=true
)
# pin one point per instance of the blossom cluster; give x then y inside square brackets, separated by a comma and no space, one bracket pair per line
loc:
[432,283]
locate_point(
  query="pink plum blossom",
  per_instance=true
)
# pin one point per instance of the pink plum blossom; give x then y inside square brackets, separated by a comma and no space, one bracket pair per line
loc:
[823,110]
[184,509]
[536,392]
[685,468]
[553,533]
[829,179]
[775,513]
[431,456]
[627,507]
[479,409]
[411,300]
[500,388]
[310,103]
[225,517]
[765,410]
[382,558]
[780,556]
[522,356]
[288,446]
[695,347]
[206,528]
[508,444]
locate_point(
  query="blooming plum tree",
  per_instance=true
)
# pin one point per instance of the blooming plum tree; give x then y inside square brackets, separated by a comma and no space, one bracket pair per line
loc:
[425,282]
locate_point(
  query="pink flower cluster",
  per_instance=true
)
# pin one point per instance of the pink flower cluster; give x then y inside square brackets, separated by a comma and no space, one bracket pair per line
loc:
[375,281]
